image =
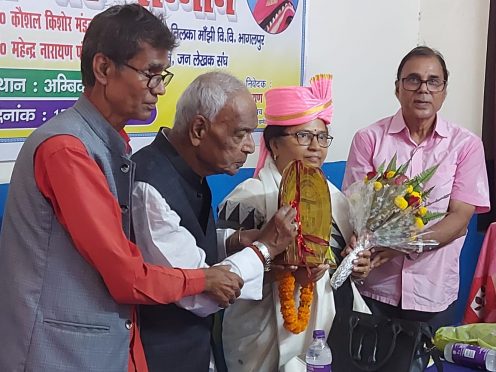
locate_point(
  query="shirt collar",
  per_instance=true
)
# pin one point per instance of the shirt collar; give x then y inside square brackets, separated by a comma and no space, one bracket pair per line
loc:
[126,139]
[398,125]
[441,127]
[100,126]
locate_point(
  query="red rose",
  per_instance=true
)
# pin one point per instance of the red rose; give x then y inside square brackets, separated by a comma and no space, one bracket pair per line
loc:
[400,180]
[371,175]
[413,200]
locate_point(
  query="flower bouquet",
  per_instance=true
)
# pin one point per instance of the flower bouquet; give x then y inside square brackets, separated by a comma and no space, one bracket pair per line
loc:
[387,209]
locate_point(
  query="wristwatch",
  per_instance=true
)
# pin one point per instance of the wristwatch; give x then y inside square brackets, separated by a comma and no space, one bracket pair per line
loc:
[264,251]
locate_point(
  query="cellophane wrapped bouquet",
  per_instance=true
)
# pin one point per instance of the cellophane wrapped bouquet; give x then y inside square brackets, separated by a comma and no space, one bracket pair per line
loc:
[387,209]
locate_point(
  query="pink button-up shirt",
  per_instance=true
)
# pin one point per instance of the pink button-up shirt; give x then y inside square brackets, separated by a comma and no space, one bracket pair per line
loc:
[430,282]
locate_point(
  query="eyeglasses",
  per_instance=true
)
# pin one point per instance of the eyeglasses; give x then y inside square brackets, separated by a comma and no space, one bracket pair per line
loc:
[154,80]
[413,83]
[305,138]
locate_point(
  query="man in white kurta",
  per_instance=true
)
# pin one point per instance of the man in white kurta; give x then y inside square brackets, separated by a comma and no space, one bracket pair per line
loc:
[173,221]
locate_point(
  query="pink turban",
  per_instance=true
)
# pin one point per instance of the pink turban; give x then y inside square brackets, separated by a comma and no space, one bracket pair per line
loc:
[288,106]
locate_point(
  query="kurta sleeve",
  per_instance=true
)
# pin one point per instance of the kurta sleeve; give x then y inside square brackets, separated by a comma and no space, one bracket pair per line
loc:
[165,241]
[78,191]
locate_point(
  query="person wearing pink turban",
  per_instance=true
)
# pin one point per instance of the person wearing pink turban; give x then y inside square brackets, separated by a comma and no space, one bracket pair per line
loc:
[289,109]
[254,338]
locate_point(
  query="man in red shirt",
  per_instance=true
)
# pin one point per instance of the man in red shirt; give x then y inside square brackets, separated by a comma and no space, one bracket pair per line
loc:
[69,275]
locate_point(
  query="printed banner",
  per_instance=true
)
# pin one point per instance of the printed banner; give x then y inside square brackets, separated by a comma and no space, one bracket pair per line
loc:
[259,41]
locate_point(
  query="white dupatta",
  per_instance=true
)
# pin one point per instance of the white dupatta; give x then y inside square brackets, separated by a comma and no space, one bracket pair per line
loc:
[292,346]
[250,328]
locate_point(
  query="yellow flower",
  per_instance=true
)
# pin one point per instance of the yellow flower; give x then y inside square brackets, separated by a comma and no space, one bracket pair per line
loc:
[416,194]
[377,185]
[409,189]
[390,174]
[400,202]
[422,211]
[419,223]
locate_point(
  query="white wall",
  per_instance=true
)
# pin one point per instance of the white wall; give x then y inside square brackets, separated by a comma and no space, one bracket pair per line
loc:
[458,28]
[362,42]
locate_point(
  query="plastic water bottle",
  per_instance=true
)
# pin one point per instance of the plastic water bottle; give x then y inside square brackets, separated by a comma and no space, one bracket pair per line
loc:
[471,356]
[318,356]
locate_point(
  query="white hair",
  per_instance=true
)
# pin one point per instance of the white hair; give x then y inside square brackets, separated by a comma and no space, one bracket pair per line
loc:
[206,96]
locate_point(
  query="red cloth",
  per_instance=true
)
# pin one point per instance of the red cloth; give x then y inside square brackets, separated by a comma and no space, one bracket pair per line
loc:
[481,306]
[78,191]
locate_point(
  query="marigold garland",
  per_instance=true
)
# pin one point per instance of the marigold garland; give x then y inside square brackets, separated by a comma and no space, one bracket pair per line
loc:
[295,322]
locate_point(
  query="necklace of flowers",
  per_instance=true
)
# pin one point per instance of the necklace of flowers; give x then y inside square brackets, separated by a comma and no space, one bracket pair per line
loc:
[295,321]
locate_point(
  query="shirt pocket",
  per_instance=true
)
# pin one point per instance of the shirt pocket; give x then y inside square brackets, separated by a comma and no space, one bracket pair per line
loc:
[76,327]
[61,345]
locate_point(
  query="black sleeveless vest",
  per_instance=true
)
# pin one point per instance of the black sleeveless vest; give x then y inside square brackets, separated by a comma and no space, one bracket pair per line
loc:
[175,339]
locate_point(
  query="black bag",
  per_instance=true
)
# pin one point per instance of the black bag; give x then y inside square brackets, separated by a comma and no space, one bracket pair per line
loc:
[363,342]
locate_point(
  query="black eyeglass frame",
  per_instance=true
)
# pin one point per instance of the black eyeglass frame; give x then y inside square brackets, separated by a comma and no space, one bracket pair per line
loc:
[327,137]
[165,77]
[422,82]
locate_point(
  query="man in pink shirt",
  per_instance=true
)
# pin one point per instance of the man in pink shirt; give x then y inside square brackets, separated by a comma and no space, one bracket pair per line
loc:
[423,286]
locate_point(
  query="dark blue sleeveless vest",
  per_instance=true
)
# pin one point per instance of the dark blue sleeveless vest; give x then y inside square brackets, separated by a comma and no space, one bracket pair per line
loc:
[175,339]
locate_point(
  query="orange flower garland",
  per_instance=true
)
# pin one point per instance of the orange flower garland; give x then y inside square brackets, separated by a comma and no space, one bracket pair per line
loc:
[294,322]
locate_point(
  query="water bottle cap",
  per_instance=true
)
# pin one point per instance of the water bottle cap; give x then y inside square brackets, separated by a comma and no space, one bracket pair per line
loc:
[319,333]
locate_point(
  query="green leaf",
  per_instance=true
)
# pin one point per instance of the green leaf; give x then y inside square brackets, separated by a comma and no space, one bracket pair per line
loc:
[426,194]
[392,164]
[380,168]
[403,167]
[429,216]
[425,176]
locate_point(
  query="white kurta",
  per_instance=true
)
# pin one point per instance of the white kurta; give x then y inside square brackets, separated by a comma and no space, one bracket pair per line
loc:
[163,241]
[253,333]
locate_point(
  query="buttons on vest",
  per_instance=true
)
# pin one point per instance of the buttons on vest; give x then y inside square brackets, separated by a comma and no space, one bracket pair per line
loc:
[124,208]
[129,324]
[125,168]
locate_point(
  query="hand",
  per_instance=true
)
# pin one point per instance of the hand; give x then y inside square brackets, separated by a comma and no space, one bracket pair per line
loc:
[362,265]
[350,246]
[316,273]
[280,231]
[277,269]
[247,237]
[381,255]
[222,285]
[241,239]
